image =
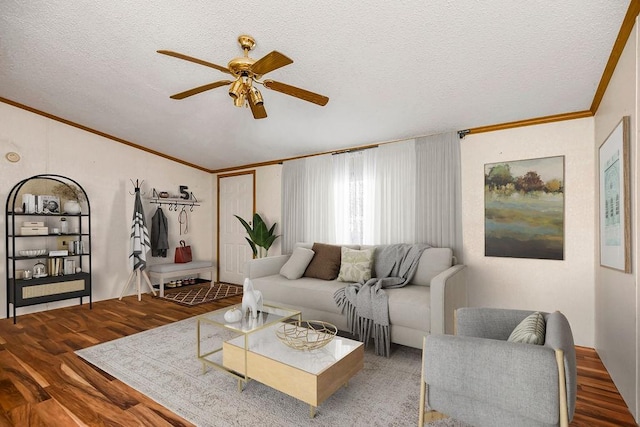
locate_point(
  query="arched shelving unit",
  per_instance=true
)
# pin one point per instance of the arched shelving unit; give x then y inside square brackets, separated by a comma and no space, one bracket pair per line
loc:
[30,226]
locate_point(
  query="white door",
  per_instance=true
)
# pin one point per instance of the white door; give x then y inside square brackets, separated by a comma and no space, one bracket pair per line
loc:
[235,197]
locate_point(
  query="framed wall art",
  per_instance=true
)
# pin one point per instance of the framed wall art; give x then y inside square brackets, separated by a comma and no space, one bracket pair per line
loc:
[615,204]
[524,208]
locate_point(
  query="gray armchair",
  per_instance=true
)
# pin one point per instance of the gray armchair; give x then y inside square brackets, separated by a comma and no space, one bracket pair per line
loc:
[480,378]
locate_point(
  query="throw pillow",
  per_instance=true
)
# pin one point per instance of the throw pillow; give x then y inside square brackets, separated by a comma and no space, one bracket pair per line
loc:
[297,263]
[325,263]
[356,265]
[530,331]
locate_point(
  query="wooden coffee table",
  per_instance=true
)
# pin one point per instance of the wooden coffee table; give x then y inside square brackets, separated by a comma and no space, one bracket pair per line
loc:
[310,376]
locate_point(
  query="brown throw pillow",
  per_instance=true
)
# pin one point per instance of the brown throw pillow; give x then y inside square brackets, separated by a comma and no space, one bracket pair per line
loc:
[325,264]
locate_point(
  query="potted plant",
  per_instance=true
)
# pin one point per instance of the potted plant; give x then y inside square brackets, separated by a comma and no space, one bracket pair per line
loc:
[260,237]
[72,195]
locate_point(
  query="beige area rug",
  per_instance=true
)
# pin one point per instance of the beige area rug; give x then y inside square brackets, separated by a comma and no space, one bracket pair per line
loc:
[199,294]
[162,364]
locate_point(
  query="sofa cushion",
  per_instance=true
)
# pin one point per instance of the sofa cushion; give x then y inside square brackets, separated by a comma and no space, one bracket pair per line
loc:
[355,265]
[304,292]
[432,262]
[296,265]
[530,331]
[409,307]
[325,264]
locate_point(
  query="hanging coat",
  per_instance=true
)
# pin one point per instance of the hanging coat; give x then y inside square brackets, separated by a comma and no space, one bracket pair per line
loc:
[159,234]
[139,236]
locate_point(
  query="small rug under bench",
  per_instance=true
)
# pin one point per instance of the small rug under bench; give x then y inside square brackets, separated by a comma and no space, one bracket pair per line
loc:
[201,293]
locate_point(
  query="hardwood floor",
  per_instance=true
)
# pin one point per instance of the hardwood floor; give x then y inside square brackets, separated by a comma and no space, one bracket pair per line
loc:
[43,382]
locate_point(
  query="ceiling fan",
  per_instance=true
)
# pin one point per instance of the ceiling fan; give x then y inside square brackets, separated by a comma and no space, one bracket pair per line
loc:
[247,72]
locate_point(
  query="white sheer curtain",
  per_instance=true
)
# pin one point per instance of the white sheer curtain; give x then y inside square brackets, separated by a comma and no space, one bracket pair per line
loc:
[343,197]
[319,219]
[403,192]
[368,196]
[438,219]
[293,199]
[395,193]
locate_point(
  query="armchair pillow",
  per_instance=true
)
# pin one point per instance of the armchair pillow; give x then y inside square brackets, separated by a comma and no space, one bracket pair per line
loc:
[296,265]
[356,265]
[530,331]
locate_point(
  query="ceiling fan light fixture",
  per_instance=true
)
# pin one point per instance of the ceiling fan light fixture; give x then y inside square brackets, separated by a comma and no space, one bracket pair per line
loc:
[255,96]
[239,101]
[237,89]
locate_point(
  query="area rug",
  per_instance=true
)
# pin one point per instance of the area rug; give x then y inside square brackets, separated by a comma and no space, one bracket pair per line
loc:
[162,364]
[199,294]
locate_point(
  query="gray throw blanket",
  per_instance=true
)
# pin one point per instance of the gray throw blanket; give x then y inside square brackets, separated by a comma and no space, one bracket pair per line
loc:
[367,305]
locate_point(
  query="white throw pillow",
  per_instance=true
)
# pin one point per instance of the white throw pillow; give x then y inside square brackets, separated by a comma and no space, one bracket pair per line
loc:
[296,265]
[355,265]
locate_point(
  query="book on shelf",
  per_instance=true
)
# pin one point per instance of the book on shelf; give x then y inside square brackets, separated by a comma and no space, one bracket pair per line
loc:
[59,253]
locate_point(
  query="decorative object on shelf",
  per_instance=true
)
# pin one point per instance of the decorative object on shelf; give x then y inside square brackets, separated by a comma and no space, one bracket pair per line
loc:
[71,207]
[73,196]
[306,334]
[615,198]
[26,275]
[251,299]
[64,225]
[32,252]
[50,204]
[232,316]
[260,237]
[39,270]
[34,231]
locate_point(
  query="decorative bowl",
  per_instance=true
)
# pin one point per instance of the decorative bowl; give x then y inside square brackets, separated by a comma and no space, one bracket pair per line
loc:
[33,252]
[306,334]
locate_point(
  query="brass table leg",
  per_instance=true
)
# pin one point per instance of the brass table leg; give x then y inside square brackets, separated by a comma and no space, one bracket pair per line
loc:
[312,411]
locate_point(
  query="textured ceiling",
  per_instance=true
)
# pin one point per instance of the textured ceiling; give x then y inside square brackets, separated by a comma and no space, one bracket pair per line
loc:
[392,69]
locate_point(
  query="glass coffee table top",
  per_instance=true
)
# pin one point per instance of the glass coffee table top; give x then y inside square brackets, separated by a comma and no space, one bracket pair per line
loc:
[268,316]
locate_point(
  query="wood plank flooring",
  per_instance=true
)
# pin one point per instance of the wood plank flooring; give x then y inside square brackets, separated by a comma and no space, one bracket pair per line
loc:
[43,382]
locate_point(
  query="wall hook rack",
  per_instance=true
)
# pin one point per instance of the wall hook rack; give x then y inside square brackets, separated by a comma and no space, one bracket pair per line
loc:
[173,203]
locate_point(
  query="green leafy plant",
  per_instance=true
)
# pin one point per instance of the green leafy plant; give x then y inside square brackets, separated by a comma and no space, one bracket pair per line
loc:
[259,235]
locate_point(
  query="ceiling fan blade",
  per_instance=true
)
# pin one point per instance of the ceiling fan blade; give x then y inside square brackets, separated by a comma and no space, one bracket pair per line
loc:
[196,60]
[269,62]
[297,92]
[258,110]
[199,89]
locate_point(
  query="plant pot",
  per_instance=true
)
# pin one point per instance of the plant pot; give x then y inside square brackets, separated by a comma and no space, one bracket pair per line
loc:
[72,207]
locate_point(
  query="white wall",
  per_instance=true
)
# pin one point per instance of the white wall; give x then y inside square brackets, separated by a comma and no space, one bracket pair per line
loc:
[531,283]
[104,168]
[269,200]
[616,333]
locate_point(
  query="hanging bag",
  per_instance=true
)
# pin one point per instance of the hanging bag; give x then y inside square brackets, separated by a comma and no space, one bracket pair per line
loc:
[183,253]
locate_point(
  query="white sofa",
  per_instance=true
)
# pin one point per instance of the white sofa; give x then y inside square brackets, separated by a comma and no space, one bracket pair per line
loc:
[424,306]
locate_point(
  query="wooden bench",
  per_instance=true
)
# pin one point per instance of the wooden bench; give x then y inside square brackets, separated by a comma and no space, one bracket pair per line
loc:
[161,272]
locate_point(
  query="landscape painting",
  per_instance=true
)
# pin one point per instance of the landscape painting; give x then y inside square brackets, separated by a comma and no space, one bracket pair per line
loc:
[524,208]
